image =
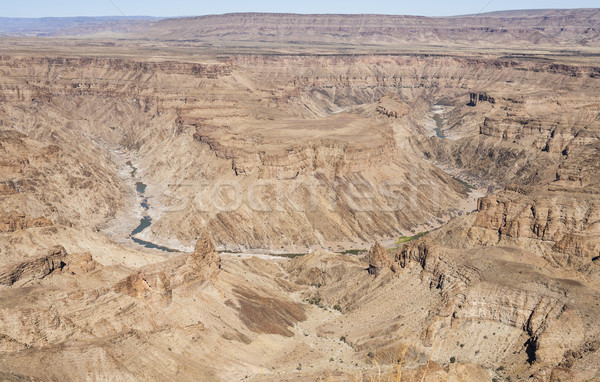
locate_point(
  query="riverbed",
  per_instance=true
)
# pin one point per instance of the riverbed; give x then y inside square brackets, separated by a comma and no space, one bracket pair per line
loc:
[146,220]
[439,123]
[437,112]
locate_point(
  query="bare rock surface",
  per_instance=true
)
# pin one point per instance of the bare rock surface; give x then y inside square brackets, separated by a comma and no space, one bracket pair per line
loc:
[378,259]
[465,148]
[37,268]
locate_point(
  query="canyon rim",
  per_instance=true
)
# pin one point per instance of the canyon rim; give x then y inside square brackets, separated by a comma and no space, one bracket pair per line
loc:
[286,197]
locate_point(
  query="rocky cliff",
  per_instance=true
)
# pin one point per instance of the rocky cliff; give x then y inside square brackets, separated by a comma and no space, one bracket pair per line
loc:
[304,154]
[545,27]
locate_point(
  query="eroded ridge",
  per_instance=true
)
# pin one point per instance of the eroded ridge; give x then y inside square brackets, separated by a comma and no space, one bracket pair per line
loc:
[437,208]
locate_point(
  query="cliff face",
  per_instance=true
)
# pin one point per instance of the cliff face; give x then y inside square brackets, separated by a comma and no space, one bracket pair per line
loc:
[547,27]
[471,295]
[475,98]
[159,281]
[527,257]
[297,153]
[252,144]
[187,301]
[502,285]
[55,261]
[344,136]
[33,269]
[16,222]
[560,208]
[568,224]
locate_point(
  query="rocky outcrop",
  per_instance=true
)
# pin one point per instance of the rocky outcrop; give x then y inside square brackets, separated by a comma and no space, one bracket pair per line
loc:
[337,157]
[378,259]
[581,169]
[81,263]
[206,258]
[543,134]
[389,113]
[13,165]
[475,98]
[469,295]
[572,355]
[8,188]
[56,260]
[512,129]
[159,280]
[34,269]
[568,224]
[14,221]
[518,308]
[145,283]
[447,274]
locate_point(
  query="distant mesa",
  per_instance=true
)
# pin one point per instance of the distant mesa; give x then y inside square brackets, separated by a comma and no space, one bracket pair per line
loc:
[575,27]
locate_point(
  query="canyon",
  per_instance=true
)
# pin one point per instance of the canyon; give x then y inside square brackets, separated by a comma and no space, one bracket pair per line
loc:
[255,197]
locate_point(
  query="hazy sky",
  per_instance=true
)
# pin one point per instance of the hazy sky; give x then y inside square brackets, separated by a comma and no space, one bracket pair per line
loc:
[42,8]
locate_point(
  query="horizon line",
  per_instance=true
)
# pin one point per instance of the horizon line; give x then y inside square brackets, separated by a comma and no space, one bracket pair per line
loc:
[292,13]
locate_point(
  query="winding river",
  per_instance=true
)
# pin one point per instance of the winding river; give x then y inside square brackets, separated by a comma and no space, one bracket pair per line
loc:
[146,220]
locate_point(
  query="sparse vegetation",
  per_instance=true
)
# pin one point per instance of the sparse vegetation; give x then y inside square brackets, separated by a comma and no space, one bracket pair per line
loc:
[352,251]
[406,239]
[316,300]
[463,183]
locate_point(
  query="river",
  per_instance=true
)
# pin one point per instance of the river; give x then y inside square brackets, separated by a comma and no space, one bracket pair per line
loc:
[146,220]
[440,124]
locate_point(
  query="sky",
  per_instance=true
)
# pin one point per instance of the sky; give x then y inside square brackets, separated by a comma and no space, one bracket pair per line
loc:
[168,8]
